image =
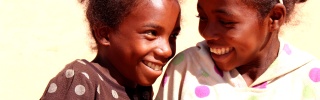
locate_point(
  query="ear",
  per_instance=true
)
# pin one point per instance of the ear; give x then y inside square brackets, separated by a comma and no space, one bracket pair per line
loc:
[277,17]
[101,34]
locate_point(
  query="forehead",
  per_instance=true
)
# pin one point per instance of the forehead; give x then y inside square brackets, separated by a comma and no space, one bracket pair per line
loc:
[155,8]
[155,3]
[162,14]
[227,7]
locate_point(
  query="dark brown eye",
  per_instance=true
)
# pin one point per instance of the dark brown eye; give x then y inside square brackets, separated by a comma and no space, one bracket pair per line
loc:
[174,35]
[151,34]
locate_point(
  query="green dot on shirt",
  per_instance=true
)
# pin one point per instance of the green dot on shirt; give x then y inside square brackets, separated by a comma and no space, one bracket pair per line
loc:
[308,92]
[178,59]
[204,73]
[253,98]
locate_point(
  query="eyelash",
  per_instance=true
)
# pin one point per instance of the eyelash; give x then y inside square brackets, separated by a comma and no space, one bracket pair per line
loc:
[201,18]
[174,35]
[228,24]
[151,34]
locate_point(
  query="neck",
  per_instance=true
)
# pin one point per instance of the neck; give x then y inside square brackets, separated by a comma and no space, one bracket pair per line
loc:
[251,71]
[113,71]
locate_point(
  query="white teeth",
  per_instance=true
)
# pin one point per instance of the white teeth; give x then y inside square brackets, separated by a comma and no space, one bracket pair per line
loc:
[220,51]
[154,66]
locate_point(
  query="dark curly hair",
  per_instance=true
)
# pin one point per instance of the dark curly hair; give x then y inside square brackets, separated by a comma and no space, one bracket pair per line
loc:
[264,6]
[110,13]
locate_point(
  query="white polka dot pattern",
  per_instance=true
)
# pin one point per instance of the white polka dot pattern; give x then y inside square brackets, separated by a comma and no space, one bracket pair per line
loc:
[85,74]
[84,81]
[80,61]
[69,73]
[53,88]
[114,94]
[98,89]
[100,77]
[80,90]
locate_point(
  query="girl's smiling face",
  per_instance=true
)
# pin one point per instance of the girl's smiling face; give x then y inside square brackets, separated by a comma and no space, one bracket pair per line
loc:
[233,31]
[145,40]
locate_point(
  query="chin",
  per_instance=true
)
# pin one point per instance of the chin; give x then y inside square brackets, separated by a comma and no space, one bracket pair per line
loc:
[147,82]
[224,68]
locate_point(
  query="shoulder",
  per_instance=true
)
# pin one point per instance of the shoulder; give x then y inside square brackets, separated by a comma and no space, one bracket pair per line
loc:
[76,80]
[78,69]
[195,53]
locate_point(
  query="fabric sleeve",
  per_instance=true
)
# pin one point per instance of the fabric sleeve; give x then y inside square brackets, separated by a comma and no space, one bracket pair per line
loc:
[70,84]
[172,82]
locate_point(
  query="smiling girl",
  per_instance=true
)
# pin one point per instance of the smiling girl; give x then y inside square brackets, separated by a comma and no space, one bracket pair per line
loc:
[242,57]
[133,45]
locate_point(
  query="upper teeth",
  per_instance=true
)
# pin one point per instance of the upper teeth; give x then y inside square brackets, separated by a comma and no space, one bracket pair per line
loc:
[220,51]
[154,66]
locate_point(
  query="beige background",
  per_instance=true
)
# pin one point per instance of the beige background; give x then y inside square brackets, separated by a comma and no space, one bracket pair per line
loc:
[38,37]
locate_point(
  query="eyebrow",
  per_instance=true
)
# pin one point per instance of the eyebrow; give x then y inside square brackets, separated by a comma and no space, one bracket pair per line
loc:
[153,26]
[221,11]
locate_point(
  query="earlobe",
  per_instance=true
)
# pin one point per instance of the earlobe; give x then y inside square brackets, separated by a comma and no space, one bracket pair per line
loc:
[277,17]
[101,34]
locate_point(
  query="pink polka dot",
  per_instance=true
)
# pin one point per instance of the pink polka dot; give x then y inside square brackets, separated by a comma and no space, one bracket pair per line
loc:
[287,49]
[314,74]
[218,71]
[164,79]
[261,85]
[202,91]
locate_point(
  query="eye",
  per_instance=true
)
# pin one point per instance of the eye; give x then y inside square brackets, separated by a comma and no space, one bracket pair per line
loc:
[151,34]
[228,24]
[174,35]
[201,18]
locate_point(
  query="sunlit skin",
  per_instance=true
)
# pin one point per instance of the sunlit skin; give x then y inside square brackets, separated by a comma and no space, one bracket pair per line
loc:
[146,35]
[251,43]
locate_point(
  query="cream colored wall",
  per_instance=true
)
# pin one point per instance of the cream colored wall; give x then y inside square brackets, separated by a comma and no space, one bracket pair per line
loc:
[38,37]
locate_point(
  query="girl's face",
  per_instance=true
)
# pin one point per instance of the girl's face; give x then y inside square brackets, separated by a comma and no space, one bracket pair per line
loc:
[145,40]
[233,32]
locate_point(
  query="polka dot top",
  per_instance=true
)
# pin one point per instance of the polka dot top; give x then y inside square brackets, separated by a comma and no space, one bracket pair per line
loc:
[82,80]
[192,75]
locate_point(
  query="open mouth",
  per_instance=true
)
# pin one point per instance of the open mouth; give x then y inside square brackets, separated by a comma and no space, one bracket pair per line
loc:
[153,66]
[221,51]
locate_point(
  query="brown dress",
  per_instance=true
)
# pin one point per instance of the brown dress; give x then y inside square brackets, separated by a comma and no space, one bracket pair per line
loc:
[82,80]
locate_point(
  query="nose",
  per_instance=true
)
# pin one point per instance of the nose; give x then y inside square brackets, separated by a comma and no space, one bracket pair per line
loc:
[210,31]
[164,50]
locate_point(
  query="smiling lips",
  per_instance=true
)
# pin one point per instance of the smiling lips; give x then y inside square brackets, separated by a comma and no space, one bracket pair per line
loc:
[153,66]
[220,51]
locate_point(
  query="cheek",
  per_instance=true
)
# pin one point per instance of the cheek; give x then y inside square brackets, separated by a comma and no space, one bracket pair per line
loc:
[202,26]
[244,42]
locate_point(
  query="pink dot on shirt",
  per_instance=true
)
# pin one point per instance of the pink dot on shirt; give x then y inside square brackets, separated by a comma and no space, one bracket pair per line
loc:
[202,91]
[218,71]
[261,85]
[314,74]
[164,80]
[287,49]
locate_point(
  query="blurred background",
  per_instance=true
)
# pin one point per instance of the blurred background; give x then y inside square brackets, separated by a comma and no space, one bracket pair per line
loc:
[39,37]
